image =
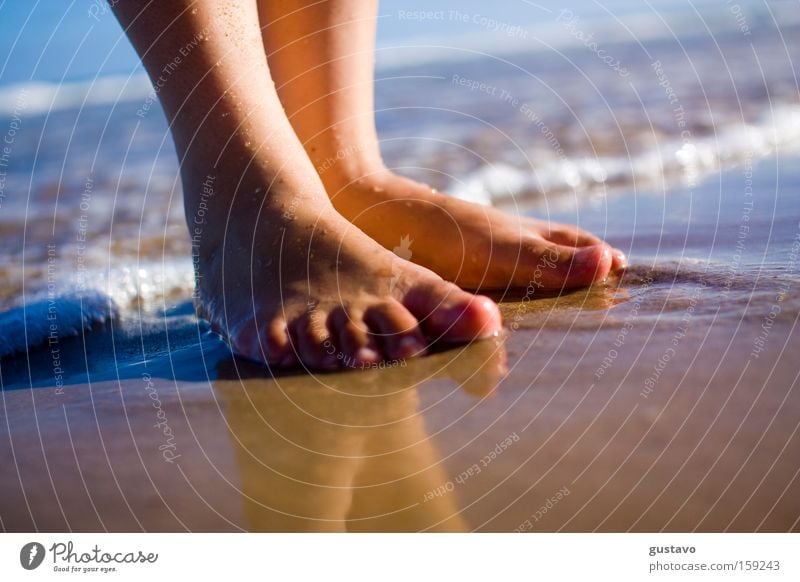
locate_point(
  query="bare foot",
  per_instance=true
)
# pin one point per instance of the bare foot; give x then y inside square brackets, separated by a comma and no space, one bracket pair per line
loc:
[280,273]
[474,246]
[286,279]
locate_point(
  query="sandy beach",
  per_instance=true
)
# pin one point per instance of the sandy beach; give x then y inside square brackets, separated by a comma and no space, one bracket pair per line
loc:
[663,400]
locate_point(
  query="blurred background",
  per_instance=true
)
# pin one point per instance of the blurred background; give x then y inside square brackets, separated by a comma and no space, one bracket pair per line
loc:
[82,40]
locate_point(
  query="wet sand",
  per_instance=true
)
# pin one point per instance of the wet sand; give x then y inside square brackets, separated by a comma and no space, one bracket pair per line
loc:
[664,400]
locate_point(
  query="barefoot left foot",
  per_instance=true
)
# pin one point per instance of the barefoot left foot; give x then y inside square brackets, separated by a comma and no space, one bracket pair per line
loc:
[476,247]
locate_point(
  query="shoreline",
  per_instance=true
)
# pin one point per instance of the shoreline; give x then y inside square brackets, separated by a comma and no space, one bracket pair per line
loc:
[663,400]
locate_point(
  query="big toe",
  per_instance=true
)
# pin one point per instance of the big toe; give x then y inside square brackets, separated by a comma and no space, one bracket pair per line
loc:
[618,259]
[446,313]
[567,267]
[589,264]
[571,236]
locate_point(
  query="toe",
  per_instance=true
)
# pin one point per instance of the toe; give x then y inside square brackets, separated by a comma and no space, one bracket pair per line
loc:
[555,266]
[244,340]
[396,329]
[352,338]
[449,314]
[571,236]
[312,342]
[275,341]
[588,265]
[261,342]
[618,259]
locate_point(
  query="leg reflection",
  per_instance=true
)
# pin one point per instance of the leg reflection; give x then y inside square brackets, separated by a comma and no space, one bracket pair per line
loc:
[348,451]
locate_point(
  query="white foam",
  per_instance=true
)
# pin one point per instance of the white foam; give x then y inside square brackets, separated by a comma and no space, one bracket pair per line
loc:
[97,296]
[38,322]
[24,99]
[640,26]
[502,184]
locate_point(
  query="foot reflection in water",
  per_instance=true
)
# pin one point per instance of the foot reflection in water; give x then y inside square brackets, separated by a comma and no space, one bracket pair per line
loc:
[348,451]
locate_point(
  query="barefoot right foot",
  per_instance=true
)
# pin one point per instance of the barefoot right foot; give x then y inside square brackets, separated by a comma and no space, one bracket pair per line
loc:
[289,281]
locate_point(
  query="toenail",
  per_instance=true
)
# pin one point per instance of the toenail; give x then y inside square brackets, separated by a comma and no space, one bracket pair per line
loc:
[410,347]
[584,256]
[486,303]
[367,355]
[622,260]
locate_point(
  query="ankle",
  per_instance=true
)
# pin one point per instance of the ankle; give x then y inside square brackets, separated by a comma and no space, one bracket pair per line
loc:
[350,169]
[227,204]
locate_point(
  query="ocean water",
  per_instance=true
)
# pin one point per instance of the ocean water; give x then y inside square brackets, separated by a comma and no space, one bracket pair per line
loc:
[583,115]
